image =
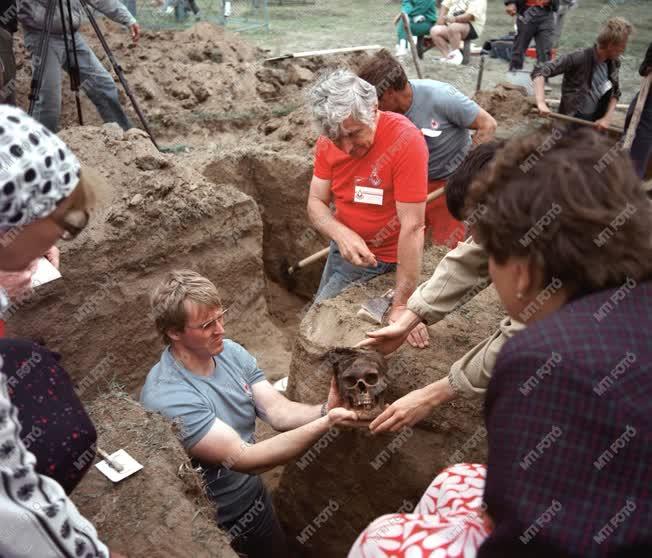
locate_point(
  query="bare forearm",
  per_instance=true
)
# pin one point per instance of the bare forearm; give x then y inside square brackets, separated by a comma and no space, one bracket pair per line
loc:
[485,132]
[464,18]
[410,253]
[539,89]
[294,415]
[441,20]
[278,450]
[439,392]
[323,219]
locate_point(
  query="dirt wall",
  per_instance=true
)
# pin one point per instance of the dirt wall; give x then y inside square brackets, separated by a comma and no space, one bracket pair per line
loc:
[155,214]
[360,476]
[279,183]
[160,511]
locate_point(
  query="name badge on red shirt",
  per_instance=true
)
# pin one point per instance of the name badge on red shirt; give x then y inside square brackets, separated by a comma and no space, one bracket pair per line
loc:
[366,189]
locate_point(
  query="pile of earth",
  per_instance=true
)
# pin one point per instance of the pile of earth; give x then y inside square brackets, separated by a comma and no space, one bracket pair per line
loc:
[193,82]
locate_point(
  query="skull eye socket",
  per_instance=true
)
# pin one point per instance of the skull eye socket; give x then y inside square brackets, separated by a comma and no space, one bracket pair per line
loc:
[371,379]
[349,381]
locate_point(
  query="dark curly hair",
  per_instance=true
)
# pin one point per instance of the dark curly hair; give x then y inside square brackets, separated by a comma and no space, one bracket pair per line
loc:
[571,203]
[459,183]
[384,72]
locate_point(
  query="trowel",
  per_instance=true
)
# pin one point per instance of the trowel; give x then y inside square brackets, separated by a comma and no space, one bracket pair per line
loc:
[374,309]
[117,466]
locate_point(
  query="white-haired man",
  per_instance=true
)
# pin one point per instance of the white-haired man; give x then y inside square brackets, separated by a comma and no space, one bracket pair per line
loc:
[213,387]
[374,166]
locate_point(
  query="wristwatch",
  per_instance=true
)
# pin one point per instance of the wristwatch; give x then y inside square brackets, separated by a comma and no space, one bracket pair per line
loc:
[5,302]
[324,409]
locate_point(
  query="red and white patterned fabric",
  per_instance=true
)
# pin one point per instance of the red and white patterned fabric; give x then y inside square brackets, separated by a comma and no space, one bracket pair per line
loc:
[448,521]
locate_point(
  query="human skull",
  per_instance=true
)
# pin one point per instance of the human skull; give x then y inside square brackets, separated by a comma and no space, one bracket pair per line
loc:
[361,378]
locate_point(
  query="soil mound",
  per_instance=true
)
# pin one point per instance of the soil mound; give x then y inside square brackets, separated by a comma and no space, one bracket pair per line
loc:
[193,82]
[384,473]
[507,103]
[159,511]
[156,214]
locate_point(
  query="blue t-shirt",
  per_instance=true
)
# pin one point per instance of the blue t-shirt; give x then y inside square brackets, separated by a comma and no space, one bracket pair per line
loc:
[196,401]
[439,107]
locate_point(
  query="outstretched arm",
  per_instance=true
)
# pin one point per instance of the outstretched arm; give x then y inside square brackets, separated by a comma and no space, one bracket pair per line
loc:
[118,12]
[282,414]
[222,445]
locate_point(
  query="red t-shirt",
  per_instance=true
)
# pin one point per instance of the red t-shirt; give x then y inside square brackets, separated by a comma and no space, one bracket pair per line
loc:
[397,164]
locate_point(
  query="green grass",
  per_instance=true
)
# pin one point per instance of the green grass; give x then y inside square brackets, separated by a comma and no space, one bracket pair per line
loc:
[341,23]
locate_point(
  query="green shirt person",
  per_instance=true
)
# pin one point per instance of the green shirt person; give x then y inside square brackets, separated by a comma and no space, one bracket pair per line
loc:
[422,15]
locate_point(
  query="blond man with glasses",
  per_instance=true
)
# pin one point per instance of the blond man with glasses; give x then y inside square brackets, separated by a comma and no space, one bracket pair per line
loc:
[214,389]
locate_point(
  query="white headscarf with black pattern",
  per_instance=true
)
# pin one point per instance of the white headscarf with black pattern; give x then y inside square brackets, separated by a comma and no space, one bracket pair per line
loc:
[37,170]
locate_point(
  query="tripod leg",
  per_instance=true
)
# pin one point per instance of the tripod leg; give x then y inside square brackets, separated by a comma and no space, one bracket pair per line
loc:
[118,70]
[40,58]
[73,69]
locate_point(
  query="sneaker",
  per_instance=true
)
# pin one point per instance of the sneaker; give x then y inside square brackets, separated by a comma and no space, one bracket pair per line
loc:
[400,51]
[455,58]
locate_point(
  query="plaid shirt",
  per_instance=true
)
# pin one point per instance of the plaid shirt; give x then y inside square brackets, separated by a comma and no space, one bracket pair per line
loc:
[569,421]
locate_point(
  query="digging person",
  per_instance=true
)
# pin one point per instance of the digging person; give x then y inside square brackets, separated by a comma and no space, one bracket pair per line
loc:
[213,387]
[95,80]
[590,89]
[445,117]
[373,166]
[461,274]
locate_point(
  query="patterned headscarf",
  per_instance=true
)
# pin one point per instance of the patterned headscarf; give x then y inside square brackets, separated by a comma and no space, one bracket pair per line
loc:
[37,170]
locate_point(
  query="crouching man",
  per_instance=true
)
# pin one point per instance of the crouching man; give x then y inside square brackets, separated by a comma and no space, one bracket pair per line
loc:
[214,389]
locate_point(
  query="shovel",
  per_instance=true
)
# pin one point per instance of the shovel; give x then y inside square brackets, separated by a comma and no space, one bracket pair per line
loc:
[324,251]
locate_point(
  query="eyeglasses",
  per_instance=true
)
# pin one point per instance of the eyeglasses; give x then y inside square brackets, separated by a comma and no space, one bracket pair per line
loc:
[73,222]
[207,326]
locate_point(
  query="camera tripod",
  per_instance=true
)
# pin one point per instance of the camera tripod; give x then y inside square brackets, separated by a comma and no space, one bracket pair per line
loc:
[72,61]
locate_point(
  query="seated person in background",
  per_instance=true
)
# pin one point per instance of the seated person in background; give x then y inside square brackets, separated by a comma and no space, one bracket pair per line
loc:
[590,89]
[579,439]
[462,273]
[214,388]
[458,20]
[642,144]
[535,19]
[445,117]
[421,14]
[373,166]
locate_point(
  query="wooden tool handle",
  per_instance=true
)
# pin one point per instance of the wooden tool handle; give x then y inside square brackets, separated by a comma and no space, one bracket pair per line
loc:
[412,43]
[110,462]
[324,251]
[310,259]
[572,119]
[638,109]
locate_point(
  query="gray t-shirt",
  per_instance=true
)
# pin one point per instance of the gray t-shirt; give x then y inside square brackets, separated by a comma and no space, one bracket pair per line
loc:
[600,84]
[196,401]
[439,107]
